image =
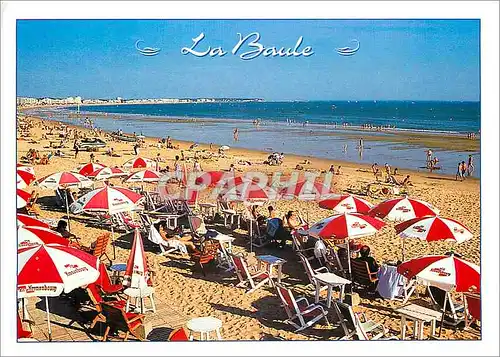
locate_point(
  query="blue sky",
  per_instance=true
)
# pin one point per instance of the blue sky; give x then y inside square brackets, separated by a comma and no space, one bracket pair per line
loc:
[397,59]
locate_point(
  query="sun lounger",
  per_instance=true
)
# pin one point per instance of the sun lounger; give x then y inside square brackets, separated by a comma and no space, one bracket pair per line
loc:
[119,320]
[310,272]
[301,314]
[255,280]
[357,325]
[472,304]
[166,246]
[97,299]
[207,253]
[228,213]
[454,313]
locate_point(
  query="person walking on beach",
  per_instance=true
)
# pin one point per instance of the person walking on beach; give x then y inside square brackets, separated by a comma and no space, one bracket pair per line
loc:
[178,169]
[470,166]
[464,169]
[235,134]
[136,149]
[77,148]
[459,172]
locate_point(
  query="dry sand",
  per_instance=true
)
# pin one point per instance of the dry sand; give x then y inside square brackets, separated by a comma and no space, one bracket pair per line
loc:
[251,316]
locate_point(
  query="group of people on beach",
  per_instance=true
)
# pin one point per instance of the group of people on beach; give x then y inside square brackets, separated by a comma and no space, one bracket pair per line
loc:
[465,169]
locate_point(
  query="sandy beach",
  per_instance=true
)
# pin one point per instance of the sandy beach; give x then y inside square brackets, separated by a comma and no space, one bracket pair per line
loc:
[257,315]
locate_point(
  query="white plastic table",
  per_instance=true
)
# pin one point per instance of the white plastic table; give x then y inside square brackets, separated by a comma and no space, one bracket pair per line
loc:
[205,325]
[208,209]
[331,280]
[419,315]
[271,261]
[140,293]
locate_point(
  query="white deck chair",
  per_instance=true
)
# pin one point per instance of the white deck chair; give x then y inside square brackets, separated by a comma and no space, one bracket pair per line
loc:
[454,312]
[229,214]
[358,325]
[312,272]
[301,314]
[166,247]
[255,280]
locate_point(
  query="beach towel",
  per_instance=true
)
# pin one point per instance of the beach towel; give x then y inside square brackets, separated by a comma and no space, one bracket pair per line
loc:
[390,282]
[155,237]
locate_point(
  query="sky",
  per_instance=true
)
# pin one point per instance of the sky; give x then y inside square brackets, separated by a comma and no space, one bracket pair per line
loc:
[396,60]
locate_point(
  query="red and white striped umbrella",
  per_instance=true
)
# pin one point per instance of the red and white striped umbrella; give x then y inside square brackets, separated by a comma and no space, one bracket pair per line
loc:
[107,172]
[87,169]
[346,204]
[443,271]
[25,176]
[22,198]
[434,228]
[210,178]
[48,270]
[347,225]
[135,273]
[402,209]
[144,176]
[28,236]
[64,179]
[306,189]
[138,163]
[249,191]
[26,220]
[107,199]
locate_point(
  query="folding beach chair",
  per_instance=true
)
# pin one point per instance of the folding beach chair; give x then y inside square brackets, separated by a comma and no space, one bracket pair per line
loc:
[472,304]
[208,253]
[166,246]
[361,275]
[357,325]
[197,227]
[229,214]
[299,247]
[104,282]
[255,280]
[310,272]
[97,299]
[442,300]
[119,320]
[22,333]
[99,247]
[301,314]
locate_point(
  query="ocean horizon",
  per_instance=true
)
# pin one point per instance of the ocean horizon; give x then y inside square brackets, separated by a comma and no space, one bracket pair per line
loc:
[313,128]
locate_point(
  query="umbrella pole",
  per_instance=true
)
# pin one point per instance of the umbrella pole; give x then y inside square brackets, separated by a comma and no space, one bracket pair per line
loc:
[48,316]
[250,232]
[444,313]
[403,250]
[113,240]
[67,210]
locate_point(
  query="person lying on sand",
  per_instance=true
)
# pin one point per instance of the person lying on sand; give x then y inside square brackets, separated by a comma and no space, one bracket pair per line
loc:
[407,181]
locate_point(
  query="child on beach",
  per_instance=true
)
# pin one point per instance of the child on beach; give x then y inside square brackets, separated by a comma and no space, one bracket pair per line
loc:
[470,166]
[339,170]
[332,169]
[459,172]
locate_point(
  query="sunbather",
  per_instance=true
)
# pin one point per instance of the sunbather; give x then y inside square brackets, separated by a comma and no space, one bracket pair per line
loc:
[167,235]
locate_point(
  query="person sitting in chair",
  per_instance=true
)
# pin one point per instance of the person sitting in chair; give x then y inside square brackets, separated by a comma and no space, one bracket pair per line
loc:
[365,257]
[62,229]
[167,235]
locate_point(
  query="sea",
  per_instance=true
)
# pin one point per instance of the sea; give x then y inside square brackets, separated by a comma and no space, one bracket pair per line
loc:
[325,129]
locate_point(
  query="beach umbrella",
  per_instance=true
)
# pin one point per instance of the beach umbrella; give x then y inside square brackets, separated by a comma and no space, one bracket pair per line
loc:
[64,179]
[26,220]
[346,226]
[107,199]
[107,172]
[248,191]
[434,228]
[87,169]
[305,190]
[136,270]
[144,176]
[443,271]
[25,176]
[110,200]
[210,178]
[48,270]
[23,198]
[402,209]
[138,163]
[346,204]
[29,236]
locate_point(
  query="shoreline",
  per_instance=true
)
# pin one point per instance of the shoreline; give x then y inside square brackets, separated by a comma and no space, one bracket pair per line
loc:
[324,163]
